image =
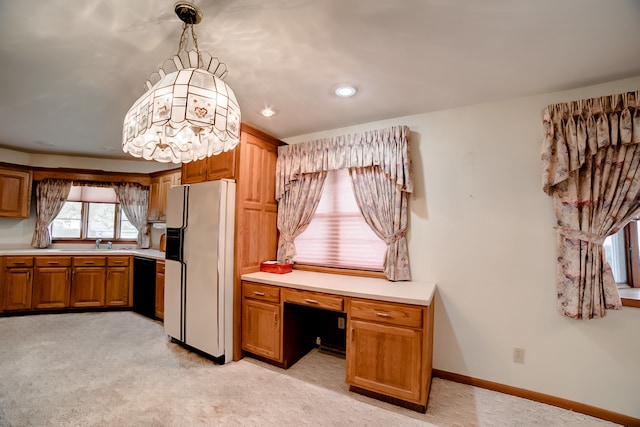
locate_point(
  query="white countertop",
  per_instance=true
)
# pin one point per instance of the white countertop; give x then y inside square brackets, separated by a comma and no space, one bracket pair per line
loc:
[147,253]
[419,293]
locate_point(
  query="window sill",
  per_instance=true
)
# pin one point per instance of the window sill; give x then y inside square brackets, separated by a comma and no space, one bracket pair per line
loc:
[344,271]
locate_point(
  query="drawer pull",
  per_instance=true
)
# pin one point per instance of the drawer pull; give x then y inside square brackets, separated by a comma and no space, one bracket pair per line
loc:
[310,301]
[88,262]
[52,262]
[260,294]
[19,262]
[378,313]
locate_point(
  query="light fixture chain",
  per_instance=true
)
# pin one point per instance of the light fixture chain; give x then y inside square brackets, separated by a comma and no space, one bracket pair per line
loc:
[183,39]
[195,44]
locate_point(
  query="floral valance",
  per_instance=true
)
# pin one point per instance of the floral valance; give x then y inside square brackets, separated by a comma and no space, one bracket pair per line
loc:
[575,130]
[387,148]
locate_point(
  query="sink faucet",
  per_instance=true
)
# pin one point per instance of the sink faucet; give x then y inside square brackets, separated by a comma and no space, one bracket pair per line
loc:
[98,243]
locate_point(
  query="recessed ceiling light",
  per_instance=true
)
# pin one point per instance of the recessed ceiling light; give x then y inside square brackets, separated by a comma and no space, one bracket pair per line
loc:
[268,112]
[345,91]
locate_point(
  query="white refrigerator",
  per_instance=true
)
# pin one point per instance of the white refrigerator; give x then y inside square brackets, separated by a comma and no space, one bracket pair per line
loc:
[198,298]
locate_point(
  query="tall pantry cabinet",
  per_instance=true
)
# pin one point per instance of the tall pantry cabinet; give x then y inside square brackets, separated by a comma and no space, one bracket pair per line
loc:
[253,166]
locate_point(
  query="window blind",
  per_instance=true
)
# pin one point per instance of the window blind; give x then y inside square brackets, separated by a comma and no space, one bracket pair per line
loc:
[92,194]
[338,235]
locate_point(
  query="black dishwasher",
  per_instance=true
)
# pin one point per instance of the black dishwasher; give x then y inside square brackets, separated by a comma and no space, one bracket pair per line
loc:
[144,286]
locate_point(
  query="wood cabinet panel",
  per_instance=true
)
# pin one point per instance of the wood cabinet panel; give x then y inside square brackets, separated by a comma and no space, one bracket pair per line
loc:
[219,166]
[261,292]
[261,331]
[381,312]
[222,166]
[18,261]
[313,299]
[51,285]
[118,261]
[385,359]
[15,193]
[158,190]
[117,286]
[52,261]
[88,287]
[194,172]
[160,276]
[89,261]
[18,285]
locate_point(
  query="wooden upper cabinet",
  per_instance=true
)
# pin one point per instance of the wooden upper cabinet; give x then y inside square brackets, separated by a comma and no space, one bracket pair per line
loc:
[220,166]
[15,192]
[158,189]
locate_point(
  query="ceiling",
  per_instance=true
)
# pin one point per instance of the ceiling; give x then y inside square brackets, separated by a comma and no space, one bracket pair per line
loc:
[70,70]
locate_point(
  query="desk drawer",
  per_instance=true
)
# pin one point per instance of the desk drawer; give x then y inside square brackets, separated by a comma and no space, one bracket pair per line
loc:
[313,299]
[18,261]
[384,312]
[261,292]
[89,261]
[53,261]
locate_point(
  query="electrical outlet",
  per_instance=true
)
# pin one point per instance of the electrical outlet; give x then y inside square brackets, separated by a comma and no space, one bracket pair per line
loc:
[340,322]
[318,341]
[518,355]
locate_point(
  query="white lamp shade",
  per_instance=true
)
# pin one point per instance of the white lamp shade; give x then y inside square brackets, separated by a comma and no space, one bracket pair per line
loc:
[188,115]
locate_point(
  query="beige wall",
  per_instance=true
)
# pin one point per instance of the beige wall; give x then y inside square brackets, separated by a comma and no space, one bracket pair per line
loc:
[482,228]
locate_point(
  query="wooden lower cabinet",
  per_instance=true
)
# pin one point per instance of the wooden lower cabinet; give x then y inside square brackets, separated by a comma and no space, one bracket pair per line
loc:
[389,350]
[261,321]
[88,287]
[385,359]
[261,329]
[52,280]
[160,264]
[17,288]
[117,287]
[88,281]
[118,282]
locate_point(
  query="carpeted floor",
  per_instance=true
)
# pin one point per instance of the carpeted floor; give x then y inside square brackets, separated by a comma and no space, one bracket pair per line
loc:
[119,369]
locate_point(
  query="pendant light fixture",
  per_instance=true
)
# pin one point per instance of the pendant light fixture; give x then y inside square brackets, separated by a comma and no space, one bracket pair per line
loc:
[188,112]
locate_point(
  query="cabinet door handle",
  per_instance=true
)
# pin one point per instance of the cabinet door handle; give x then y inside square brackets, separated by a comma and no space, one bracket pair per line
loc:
[275,317]
[260,294]
[378,313]
[352,334]
[310,301]
[28,275]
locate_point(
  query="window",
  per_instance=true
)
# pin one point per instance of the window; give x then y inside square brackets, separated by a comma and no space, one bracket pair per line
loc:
[621,251]
[92,213]
[338,235]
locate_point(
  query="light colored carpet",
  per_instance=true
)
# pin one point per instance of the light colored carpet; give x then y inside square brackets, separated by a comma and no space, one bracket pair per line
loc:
[119,369]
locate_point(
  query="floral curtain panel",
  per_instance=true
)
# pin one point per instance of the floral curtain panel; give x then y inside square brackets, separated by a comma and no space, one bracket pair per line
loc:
[134,200]
[384,208]
[50,197]
[384,153]
[591,168]
[297,206]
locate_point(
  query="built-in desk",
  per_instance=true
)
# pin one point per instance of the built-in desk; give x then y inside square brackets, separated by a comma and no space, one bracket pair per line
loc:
[389,331]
